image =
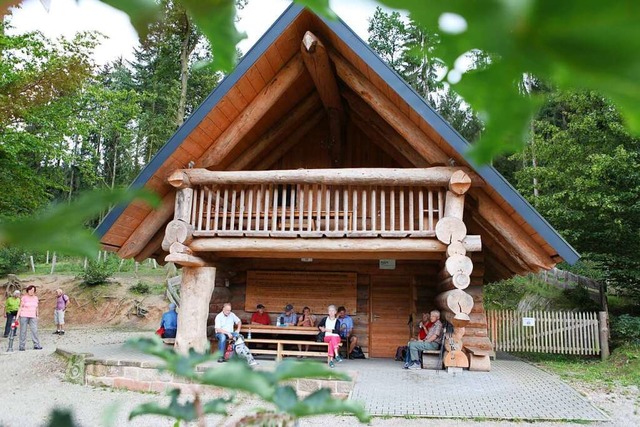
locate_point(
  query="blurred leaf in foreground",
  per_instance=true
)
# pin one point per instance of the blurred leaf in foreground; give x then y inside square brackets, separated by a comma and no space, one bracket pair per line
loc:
[62,228]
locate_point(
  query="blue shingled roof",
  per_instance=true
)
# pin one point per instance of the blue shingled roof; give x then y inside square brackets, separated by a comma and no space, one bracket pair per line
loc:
[408,94]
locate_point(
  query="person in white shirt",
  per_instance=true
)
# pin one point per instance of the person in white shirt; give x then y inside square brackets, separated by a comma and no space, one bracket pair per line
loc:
[224,324]
[330,332]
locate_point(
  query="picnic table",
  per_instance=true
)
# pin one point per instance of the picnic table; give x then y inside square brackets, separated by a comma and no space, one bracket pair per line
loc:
[279,336]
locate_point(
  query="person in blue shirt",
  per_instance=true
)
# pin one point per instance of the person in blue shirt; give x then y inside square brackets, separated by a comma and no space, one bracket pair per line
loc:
[346,329]
[288,317]
[170,322]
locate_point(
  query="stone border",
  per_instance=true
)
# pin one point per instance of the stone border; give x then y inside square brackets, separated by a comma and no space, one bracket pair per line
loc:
[145,377]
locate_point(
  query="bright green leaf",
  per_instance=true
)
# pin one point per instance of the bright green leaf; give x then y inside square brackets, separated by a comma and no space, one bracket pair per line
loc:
[141,12]
[237,375]
[320,7]
[216,20]
[290,369]
[321,402]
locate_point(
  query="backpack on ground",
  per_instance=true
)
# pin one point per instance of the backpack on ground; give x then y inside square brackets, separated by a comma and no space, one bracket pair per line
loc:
[401,353]
[357,353]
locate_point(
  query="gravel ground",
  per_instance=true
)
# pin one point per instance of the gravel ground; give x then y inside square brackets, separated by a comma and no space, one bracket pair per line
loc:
[33,386]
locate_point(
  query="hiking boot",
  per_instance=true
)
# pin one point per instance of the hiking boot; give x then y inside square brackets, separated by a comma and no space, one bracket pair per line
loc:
[21,349]
[406,366]
[338,359]
[414,366]
[331,364]
[56,333]
[37,348]
[221,360]
[61,333]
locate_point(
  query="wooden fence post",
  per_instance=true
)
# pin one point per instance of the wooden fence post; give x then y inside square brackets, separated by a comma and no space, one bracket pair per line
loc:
[604,335]
[53,262]
[33,265]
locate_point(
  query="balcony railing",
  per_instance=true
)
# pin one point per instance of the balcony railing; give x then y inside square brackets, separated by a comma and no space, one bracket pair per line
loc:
[316,210]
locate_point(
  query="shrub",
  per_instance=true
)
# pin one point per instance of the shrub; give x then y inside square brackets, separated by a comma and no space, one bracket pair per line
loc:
[625,329]
[12,260]
[97,273]
[140,288]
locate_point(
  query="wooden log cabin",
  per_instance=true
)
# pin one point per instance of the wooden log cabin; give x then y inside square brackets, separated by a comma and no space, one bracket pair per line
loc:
[313,174]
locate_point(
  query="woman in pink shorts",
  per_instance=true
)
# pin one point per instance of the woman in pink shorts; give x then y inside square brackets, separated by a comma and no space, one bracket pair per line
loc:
[329,328]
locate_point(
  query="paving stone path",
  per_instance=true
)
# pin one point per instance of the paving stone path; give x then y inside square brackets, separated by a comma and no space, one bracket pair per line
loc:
[512,390]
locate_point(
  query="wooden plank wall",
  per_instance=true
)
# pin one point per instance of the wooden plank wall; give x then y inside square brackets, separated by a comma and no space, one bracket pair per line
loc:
[364,270]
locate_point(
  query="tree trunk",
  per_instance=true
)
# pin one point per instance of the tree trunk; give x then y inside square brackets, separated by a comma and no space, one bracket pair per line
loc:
[185,52]
[195,294]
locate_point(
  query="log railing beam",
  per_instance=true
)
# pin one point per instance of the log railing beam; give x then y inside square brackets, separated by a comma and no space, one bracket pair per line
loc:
[434,176]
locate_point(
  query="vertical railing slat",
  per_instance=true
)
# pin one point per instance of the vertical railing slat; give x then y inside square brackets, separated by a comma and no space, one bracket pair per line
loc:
[209,197]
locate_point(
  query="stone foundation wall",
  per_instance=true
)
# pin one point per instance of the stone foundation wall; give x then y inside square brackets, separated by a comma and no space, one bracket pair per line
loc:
[138,376]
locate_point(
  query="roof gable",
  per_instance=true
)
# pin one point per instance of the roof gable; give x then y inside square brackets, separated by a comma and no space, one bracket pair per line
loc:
[221,128]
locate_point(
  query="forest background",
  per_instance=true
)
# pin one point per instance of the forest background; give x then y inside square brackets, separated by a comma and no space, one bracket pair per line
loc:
[67,125]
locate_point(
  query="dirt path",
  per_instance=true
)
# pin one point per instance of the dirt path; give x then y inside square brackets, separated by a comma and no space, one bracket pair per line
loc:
[34,386]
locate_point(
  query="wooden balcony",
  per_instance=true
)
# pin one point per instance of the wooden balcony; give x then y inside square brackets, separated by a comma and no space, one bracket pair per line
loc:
[316,210]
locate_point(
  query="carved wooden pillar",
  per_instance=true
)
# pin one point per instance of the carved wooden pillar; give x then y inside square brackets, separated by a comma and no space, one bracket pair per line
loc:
[195,294]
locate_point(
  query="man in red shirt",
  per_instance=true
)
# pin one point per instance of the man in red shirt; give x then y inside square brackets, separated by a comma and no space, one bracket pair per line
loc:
[260,317]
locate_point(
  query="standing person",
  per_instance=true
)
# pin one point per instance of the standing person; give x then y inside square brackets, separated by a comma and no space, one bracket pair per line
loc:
[430,342]
[170,322]
[58,315]
[260,317]
[225,320]
[11,306]
[329,327]
[288,317]
[346,330]
[28,314]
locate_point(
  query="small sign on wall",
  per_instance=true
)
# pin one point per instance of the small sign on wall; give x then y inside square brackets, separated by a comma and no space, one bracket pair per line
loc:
[387,264]
[529,321]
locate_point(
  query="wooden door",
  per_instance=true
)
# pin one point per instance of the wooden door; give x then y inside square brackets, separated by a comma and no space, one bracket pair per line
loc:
[390,299]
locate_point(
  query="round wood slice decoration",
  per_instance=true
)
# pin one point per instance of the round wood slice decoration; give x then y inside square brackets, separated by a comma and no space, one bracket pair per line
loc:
[449,229]
[456,248]
[459,264]
[461,280]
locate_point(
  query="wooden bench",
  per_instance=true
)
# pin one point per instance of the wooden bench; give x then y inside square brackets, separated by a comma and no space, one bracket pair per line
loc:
[280,351]
[431,359]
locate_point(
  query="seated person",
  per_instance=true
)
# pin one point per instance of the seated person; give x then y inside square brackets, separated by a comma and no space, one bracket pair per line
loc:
[430,342]
[346,329]
[260,317]
[224,323]
[288,317]
[306,319]
[423,327]
[170,322]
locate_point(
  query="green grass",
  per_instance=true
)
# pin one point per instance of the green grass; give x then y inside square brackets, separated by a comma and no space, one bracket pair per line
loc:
[75,266]
[622,368]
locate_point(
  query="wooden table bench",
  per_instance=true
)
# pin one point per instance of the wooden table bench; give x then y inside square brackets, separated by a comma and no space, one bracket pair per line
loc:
[280,351]
[479,358]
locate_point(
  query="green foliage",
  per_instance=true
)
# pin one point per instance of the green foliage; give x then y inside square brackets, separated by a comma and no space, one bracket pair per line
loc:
[12,260]
[542,39]
[97,272]
[181,411]
[140,288]
[238,376]
[582,173]
[410,49]
[622,367]
[61,418]
[62,224]
[625,329]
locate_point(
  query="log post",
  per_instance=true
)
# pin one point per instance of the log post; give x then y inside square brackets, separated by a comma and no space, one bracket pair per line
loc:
[195,294]
[603,327]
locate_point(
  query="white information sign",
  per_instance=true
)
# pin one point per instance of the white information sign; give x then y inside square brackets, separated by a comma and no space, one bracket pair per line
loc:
[387,264]
[529,321]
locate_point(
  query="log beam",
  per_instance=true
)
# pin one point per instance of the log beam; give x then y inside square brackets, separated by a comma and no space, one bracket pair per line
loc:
[196,290]
[433,176]
[154,221]
[389,112]
[296,245]
[316,59]
[252,114]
